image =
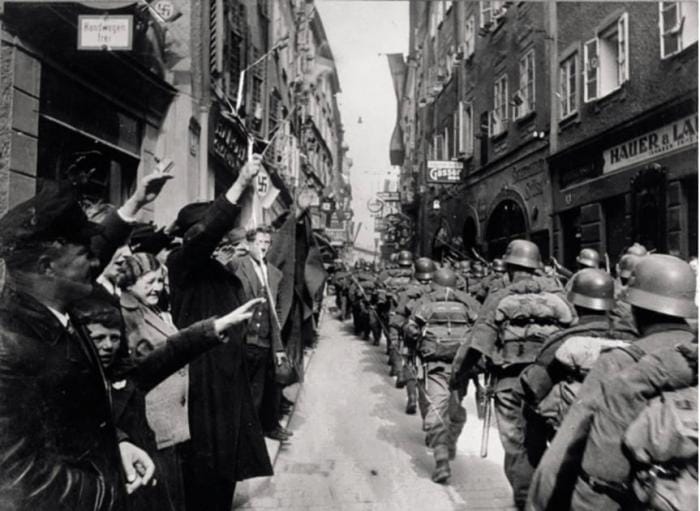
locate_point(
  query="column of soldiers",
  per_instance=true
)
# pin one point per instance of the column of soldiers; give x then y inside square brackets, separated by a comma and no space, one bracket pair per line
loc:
[592,377]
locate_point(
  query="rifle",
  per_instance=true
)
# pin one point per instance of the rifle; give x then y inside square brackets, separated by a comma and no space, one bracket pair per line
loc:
[487,417]
[607,263]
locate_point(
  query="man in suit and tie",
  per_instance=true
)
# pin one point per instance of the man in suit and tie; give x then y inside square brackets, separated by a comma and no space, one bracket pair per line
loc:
[264,347]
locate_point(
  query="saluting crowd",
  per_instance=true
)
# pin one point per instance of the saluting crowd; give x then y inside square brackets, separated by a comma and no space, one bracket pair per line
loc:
[141,368]
[591,374]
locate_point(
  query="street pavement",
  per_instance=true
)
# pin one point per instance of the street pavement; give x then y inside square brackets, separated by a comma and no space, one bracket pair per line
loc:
[354,448]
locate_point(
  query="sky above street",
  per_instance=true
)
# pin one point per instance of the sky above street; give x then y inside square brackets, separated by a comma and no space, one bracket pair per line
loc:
[360,33]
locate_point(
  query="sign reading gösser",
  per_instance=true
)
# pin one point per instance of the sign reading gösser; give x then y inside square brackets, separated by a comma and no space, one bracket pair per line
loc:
[444,171]
[113,32]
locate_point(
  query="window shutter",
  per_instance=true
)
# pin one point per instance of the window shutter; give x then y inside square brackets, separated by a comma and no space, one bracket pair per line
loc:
[591,70]
[623,48]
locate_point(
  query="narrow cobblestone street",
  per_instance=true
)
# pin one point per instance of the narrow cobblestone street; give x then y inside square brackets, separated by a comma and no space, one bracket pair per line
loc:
[354,448]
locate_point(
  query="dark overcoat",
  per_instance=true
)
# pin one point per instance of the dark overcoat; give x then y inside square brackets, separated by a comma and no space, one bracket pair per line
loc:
[58,443]
[226,435]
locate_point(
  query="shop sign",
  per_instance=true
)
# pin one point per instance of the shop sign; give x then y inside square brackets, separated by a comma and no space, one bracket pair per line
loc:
[444,171]
[335,234]
[666,139]
[227,141]
[105,32]
[389,196]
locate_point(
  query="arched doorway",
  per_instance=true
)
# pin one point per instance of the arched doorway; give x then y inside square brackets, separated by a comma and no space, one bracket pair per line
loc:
[507,222]
[469,234]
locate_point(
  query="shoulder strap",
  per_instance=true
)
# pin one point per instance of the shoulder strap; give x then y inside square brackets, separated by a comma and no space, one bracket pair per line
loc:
[633,351]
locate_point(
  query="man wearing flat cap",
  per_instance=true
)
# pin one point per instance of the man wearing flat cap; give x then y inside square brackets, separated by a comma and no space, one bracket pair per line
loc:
[59,448]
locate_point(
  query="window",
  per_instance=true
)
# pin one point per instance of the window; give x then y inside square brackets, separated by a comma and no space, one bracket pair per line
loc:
[524,98]
[490,11]
[606,59]
[439,149]
[499,115]
[567,86]
[466,129]
[678,26]
[470,37]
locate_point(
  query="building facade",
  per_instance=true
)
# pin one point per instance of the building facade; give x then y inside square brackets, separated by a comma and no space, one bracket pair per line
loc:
[202,83]
[484,164]
[626,165]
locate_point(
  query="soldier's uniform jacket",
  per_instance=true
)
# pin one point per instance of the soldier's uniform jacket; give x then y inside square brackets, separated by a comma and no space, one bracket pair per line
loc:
[556,476]
[540,380]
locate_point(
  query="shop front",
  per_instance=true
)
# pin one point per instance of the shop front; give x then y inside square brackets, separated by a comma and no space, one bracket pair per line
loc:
[638,183]
[73,110]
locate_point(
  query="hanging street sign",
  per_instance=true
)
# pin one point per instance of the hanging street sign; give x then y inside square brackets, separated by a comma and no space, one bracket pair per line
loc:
[375,205]
[444,171]
[105,32]
[389,196]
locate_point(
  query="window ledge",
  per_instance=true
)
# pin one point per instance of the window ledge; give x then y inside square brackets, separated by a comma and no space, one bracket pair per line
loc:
[572,119]
[497,136]
[619,93]
[527,117]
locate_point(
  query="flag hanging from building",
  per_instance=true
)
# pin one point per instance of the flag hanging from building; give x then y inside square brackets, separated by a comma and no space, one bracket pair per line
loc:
[397,67]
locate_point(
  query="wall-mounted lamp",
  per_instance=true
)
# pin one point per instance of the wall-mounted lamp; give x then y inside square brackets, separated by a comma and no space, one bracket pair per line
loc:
[436,204]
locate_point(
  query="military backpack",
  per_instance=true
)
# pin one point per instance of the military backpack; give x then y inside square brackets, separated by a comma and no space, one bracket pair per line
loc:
[446,326]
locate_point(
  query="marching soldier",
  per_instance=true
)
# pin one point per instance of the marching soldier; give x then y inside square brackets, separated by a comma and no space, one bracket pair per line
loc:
[585,467]
[434,333]
[508,335]
[396,281]
[409,299]
[551,384]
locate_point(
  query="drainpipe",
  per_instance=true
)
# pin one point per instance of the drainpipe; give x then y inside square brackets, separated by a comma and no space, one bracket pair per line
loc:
[553,44]
[553,39]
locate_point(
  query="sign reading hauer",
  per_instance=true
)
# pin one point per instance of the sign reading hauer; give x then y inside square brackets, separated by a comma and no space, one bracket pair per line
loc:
[674,136]
[110,32]
[444,171]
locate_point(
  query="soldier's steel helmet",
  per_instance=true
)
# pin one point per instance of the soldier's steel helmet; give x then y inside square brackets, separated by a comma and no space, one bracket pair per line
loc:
[593,289]
[464,266]
[445,277]
[405,258]
[523,253]
[664,284]
[499,266]
[627,264]
[425,268]
[588,257]
[637,249]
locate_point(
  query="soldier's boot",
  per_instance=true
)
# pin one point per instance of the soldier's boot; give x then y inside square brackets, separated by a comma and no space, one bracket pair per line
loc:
[442,472]
[412,393]
[396,366]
